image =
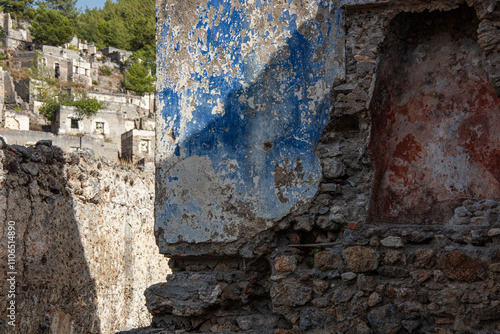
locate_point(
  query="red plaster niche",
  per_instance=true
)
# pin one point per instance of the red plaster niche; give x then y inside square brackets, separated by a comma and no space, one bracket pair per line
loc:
[435,135]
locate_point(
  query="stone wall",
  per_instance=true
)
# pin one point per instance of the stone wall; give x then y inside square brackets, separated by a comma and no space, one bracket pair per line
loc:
[23,59]
[68,143]
[85,249]
[114,123]
[138,145]
[244,93]
[401,236]
[17,31]
[69,65]
[10,97]
[144,105]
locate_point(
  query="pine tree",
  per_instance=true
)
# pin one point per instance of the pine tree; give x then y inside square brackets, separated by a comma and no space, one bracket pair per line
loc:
[121,25]
[17,7]
[51,27]
[65,7]
[139,79]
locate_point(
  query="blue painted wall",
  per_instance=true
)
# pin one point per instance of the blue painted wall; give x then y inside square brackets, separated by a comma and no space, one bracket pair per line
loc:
[243,92]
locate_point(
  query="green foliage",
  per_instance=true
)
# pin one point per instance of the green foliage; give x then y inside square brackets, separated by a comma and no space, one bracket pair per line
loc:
[65,7]
[3,56]
[50,106]
[18,8]
[312,253]
[105,70]
[125,24]
[51,27]
[72,47]
[143,33]
[149,59]
[86,106]
[3,33]
[139,79]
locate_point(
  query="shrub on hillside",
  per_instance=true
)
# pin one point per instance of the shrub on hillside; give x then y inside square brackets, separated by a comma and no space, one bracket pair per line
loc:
[139,79]
[85,106]
[104,70]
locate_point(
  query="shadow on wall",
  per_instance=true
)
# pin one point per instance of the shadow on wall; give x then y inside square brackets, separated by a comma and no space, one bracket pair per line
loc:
[435,119]
[54,292]
[241,160]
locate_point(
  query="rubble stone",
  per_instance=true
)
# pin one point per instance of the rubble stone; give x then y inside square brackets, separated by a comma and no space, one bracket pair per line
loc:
[286,263]
[374,299]
[328,260]
[290,294]
[385,319]
[348,276]
[185,294]
[391,241]
[425,258]
[361,259]
[458,266]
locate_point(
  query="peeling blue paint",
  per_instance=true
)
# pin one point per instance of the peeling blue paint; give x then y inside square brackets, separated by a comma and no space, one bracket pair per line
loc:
[244,130]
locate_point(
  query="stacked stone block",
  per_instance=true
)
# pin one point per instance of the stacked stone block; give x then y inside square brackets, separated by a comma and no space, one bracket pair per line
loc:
[328,267]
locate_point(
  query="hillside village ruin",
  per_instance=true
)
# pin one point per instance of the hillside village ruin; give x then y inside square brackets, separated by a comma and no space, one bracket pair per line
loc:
[123,130]
[322,166]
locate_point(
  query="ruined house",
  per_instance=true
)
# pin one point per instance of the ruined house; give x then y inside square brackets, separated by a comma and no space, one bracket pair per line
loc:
[116,54]
[17,33]
[328,166]
[69,65]
[138,147]
[102,132]
[87,48]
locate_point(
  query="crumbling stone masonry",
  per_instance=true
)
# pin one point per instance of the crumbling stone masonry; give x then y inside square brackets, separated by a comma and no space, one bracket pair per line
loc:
[85,248]
[328,166]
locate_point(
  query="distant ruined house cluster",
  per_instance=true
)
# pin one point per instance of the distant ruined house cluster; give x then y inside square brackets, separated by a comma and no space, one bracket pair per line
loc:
[127,118]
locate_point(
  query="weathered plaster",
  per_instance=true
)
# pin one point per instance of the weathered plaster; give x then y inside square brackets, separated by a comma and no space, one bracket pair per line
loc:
[436,125]
[243,98]
[439,277]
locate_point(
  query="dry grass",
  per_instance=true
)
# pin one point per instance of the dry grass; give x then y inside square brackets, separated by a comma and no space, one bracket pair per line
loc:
[113,82]
[77,87]
[18,74]
[128,163]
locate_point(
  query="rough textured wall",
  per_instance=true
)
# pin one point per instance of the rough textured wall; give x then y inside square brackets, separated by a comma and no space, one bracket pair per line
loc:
[85,248]
[243,91]
[435,119]
[325,269]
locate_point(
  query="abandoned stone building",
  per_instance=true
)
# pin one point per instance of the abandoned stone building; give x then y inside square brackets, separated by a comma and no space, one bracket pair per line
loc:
[69,65]
[66,64]
[116,54]
[321,167]
[87,48]
[78,65]
[138,146]
[17,33]
[328,166]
